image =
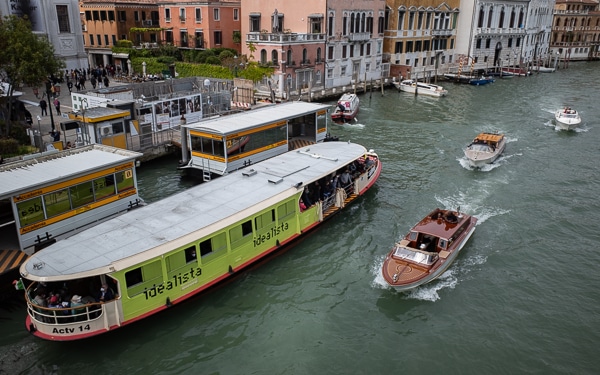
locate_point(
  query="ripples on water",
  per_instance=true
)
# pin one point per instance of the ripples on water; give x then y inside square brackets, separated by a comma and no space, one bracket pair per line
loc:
[521,297]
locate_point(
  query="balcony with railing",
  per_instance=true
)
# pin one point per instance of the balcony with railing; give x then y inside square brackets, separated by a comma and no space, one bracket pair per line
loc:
[500,31]
[359,37]
[570,12]
[442,32]
[284,38]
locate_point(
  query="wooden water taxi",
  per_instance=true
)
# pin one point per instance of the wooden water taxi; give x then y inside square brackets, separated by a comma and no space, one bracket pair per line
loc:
[162,254]
[485,149]
[428,249]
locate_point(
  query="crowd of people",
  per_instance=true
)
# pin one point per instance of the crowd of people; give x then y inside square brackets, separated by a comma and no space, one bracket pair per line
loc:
[326,187]
[50,296]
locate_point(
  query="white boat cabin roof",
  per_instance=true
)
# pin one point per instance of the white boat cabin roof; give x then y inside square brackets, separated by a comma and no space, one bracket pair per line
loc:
[96,250]
[45,168]
[256,117]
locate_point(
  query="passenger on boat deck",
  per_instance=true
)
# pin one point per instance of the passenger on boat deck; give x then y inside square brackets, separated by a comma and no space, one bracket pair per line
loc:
[345,178]
[302,206]
[327,190]
[369,162]
[54,301]
[106,294]
[306,197]
[75,302]
[40,299]
[451,217]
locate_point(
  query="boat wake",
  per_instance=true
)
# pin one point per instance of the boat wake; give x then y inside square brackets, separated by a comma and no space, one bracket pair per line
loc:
[351,124]
[474,205]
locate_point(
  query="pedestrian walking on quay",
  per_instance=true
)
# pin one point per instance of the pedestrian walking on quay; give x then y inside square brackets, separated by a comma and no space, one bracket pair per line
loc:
[43,106]
[57,106]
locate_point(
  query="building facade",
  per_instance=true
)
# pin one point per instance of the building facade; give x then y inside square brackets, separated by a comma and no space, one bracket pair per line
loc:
[58,20]
[106,22]
[576,30]
[420,36]
[193,24]
[315,44]
[494,33]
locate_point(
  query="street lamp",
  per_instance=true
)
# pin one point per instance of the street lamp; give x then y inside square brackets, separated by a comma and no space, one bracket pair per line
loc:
[48,91]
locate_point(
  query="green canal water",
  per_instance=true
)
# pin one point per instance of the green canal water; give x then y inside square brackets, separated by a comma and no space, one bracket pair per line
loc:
[522,297]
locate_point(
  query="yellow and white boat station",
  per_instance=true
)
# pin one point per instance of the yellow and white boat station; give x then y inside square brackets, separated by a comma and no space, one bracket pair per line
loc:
[55,194]
[224,144]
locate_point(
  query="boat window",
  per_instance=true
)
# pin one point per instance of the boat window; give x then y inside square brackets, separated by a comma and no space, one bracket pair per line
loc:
[124,180]
[239,233]
[57,202]
[413,236]
[104,187]
[175,262]
[82,194]
[264,220]
[213,248]
[190,254]
[286,209]
[442,244]
[30,211]
[143,278]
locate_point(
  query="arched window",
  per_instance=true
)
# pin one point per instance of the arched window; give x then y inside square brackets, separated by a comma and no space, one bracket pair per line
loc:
[263,56]
[275,57]
[304,56]
[490,15]
[319,55]
[521,15]
[289,82]
[352,22]
[318,77]
[481,17]
[557,21]
[289,57]
[501,20]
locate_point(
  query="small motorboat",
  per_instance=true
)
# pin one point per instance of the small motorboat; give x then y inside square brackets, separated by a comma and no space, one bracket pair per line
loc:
[482,80]
[420,88]
[517,71]
[428,249]
[485,149]
[567,118]
[542,69]
[346,108]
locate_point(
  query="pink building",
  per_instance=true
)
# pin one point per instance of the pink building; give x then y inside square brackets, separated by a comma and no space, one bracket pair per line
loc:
[314,44]
[201,24]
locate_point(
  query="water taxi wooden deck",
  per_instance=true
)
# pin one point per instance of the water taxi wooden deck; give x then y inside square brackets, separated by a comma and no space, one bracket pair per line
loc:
[485,149]
[164,253]
[428,249]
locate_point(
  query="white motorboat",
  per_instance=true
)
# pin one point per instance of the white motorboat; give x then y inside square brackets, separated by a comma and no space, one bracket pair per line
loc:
[567,118]
[420,88]
[485,149]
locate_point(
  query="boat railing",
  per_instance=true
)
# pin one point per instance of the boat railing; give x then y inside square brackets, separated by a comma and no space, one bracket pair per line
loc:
[328,202]
[64,315]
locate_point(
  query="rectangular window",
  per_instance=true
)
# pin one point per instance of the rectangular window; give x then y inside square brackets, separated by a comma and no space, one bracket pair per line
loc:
[114,40]
[30,211]
[111,15]
[96,15]
[62,13]
[240,233]
[287,209]
[264,220]
[136,16]
[104,187]
[167,14]
[198,15]
[213,247]
[218,38]
[199,37]
[82,194]
[142,278]
[91,40]
[57,202]
[143,16]
[216,14]
[99,39]
[103,16]
[122,16]
[182,14]
[330,53]
[254,24]
[180,261]
[344,51]
[106,42]
[88,15]
[236,14]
